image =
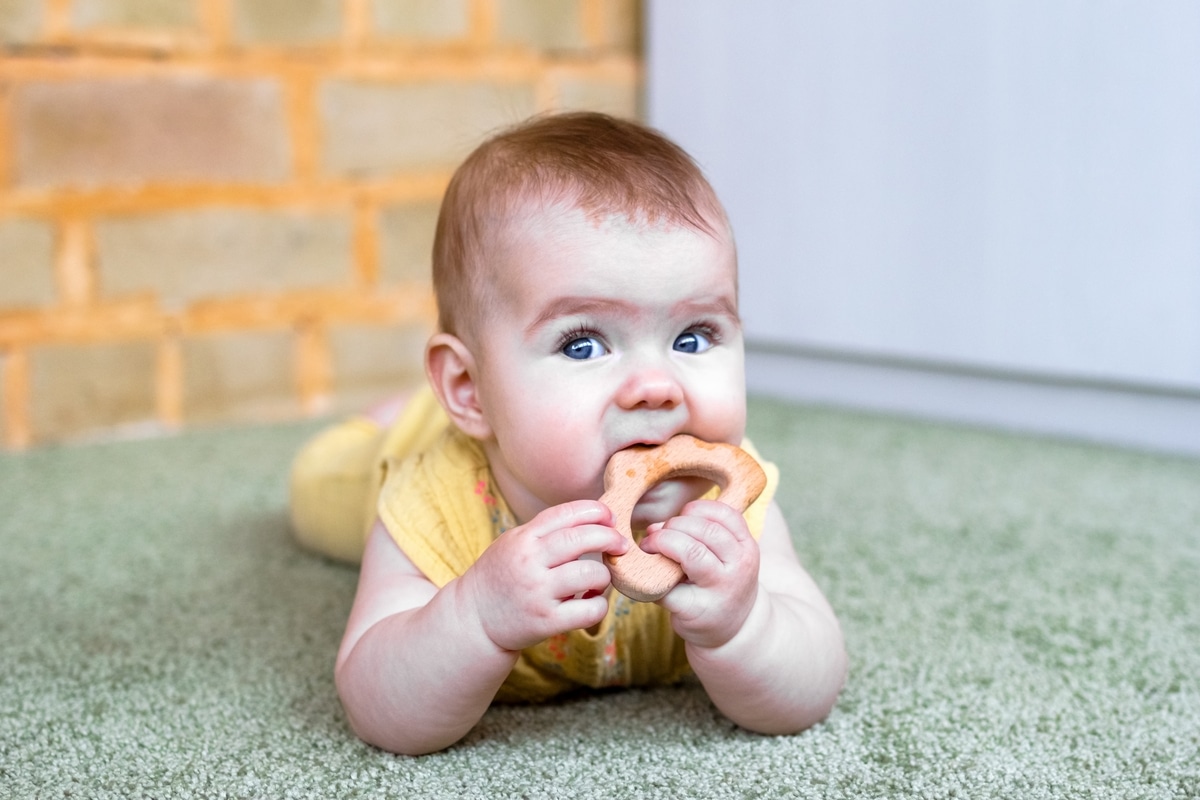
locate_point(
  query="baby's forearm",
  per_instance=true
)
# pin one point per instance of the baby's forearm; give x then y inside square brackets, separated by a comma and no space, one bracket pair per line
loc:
[418,681]
[782,672]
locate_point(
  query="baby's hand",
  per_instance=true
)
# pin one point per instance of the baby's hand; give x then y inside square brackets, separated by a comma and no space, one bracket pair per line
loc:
[719,557]
[532,583]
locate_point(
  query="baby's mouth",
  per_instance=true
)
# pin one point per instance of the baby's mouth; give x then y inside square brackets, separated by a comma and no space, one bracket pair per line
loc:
[646,444]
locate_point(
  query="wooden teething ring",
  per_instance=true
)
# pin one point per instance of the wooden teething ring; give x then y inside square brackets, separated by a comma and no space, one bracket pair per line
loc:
[633,472]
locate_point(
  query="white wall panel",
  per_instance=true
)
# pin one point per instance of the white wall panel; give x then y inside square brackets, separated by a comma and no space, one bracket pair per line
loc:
[1005,184]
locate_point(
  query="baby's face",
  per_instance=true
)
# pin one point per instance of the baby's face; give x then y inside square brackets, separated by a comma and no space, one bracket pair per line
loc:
[606,335]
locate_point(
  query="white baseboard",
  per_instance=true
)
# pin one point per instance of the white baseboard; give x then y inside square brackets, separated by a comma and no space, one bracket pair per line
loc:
[1144,418]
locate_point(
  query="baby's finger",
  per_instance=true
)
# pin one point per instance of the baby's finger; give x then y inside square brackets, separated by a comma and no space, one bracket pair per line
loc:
[706,536]
[568,515]
[684,600]
[679,541]
[582,578]
[727,517]
[582,612]
[570,544]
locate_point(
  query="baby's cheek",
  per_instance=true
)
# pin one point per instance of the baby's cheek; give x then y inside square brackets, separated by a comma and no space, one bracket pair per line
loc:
[563,476]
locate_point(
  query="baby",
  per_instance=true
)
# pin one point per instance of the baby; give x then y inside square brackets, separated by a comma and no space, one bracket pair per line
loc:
[586,283]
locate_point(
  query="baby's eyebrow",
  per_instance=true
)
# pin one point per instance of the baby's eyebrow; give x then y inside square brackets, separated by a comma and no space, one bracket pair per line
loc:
[718,306]
[561,307]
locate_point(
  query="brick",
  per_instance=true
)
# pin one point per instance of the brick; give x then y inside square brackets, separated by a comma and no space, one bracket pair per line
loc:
[83,388]
[5,433]
[619,99]
[287,21]
[373,128]
[237,374]
[20,21]
[406,242]
[542,24]
[214,252]
[422,19]
[623,26]
[134,14]
[26,263]
[13,401]
[377,360]
[130,131]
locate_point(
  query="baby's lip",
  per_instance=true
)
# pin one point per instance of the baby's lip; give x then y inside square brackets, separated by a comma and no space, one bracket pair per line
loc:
[652,441]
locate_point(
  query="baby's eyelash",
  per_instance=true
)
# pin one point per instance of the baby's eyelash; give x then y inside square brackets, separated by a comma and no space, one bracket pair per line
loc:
[710,331]
[578,332]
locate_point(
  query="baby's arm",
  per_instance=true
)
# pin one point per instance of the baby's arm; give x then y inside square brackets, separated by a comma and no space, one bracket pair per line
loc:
[760,635]
[418,665]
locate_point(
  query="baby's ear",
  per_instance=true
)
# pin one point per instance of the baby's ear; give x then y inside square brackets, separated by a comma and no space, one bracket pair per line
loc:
[451,370]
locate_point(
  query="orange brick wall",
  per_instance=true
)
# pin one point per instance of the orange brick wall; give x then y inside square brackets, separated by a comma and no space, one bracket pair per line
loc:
[222,209]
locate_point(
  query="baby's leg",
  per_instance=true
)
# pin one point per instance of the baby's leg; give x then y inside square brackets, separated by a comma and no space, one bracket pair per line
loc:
[336,476]
[328,488]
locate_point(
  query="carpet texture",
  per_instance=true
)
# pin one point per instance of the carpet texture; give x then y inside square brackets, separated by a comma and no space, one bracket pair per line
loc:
[1023,619]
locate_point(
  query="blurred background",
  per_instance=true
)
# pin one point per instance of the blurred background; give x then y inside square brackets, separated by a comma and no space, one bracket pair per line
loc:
[221,210]
[987,212]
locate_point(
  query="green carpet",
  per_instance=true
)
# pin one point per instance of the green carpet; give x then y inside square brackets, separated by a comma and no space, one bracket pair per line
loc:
[1023,619]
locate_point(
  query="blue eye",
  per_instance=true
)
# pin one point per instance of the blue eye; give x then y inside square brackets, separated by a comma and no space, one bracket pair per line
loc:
[692,342]
[584,347]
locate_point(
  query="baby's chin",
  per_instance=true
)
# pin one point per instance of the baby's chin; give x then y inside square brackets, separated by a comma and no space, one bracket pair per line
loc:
[666,500]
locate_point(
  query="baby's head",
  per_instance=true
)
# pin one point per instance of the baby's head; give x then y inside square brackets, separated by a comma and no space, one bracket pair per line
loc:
[587,292]
[597,164]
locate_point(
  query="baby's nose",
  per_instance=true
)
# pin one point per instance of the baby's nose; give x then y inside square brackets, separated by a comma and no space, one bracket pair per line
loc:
[650,389]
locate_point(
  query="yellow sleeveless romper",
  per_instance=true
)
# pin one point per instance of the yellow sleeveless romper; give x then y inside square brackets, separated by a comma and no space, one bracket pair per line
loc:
[431,486]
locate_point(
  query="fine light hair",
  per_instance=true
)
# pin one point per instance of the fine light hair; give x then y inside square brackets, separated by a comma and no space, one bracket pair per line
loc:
[598,164]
